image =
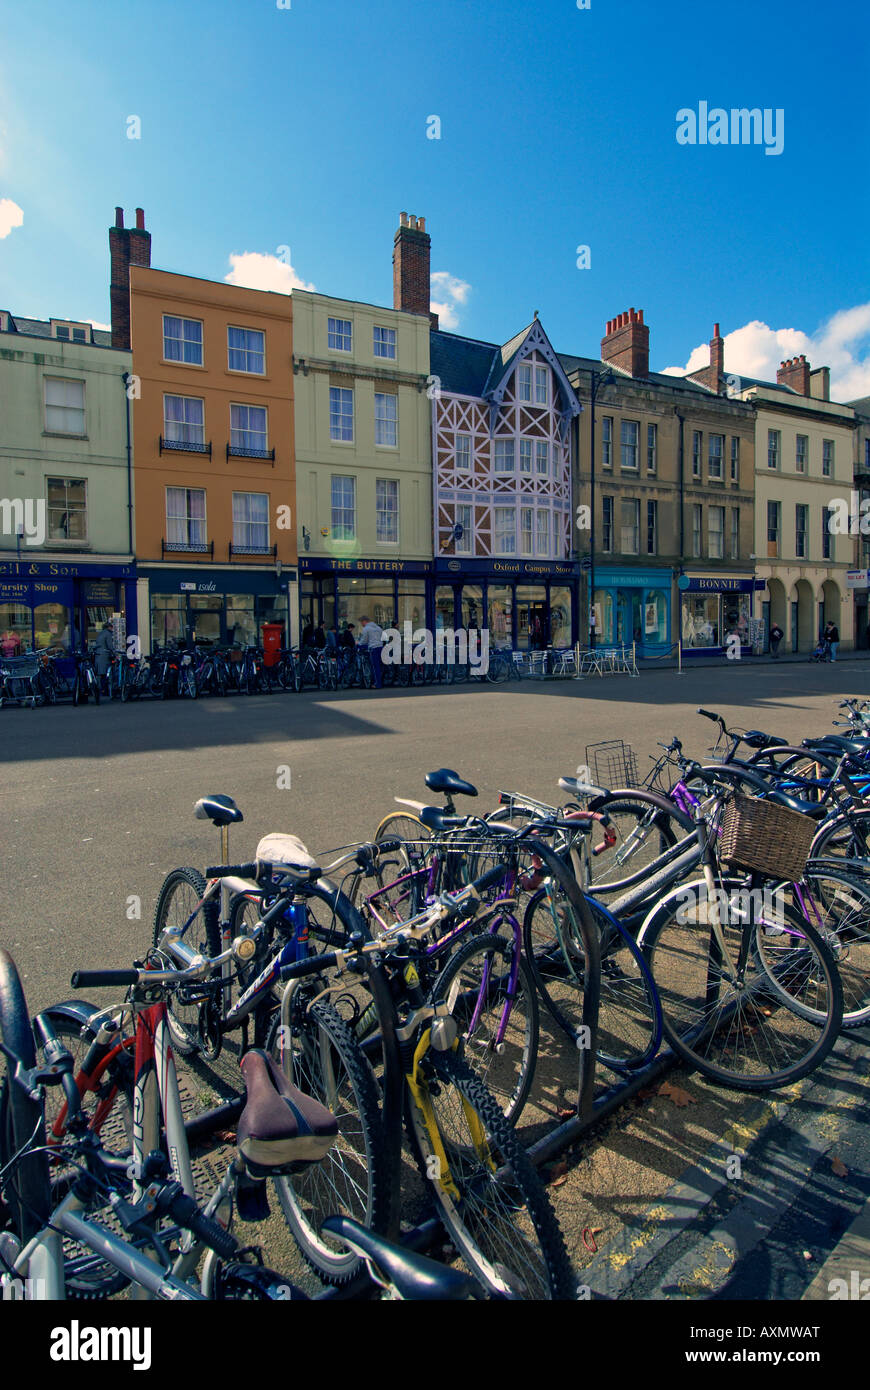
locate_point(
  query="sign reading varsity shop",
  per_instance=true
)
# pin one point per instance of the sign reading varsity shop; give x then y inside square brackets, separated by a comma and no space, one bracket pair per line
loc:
[56,569]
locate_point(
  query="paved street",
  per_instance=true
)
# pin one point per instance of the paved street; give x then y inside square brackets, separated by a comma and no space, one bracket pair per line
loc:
[97,807]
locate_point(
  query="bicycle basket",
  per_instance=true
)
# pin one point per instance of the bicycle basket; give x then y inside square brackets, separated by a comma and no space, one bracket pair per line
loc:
[612,763]
[767,838]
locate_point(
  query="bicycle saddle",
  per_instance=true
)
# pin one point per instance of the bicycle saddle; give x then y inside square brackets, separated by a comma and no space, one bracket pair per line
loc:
[280,1127]
[220,810]
[414,1276]
[286,855]
[445,780]
[756,739]
[836,744]
[436,819]
[794,803]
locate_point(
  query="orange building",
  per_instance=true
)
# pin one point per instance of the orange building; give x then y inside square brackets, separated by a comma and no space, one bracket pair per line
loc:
[214,473]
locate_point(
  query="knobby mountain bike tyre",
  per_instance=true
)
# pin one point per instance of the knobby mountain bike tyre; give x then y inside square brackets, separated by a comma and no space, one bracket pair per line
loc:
[492,1202]
[323,1058]
[766,1029]
[25,1201]
[179,896]
[476,983]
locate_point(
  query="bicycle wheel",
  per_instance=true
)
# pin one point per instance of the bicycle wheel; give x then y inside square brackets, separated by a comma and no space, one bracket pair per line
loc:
[476,982]
[96,689]
[838,905]
[846,836]
[79,695]
[399,825]
[642,826]
[25,1200]
[178,900]
[322,1057]
[753,1026]
[629,1015]
[489,1196]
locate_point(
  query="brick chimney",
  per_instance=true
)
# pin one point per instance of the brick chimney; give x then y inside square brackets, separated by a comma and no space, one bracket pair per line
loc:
[411,262]
[626,343]
[820,384]
[713,376]
[796,374]
[127,246]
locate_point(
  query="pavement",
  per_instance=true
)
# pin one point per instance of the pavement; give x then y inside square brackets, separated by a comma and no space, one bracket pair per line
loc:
[97,808]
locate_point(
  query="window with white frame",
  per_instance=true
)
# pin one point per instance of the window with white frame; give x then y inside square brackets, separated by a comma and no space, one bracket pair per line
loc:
[607,441]
[246,351]
[343,508]
[182,340]
[827,458]
[696,531]
[652,448]
[629,433]
[801,522]
[801,452]
[185,518]
[64,405]
[249,429]
[384,342]
[387,511]
[524,381]
[735,458]
[340,334]
[505,455]
[67,509]
[542,386]
[652,527]
[543,532]
[716,532]
[773,528]
[386,419]
[607,525]
[184,420]
[71,332]
[773,443]
[735,533]
[463,451]
[465,542]
[251,521]
[630,531]
[697,441]
[525,456]
[505,530]
[542,457]
[527,517]
[341,414]
[826,534]
[715,457]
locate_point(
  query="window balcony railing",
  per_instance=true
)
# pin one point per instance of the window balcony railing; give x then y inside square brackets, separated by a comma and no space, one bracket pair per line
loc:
[183,446]
[236,451]
[253,550]
[186,548]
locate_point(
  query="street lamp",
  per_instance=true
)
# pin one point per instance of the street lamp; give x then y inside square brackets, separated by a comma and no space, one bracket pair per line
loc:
[596,381]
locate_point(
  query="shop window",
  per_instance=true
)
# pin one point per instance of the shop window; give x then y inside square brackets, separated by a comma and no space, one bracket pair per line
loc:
[271,608]
[67,509]
[500,606]
[241,623]
[15,629]
[560,617]
[370,598]
[412,602]
[206,612]
[444,616]
[167,618]
[736,617]
[655,615]
[51,626]
[700,622]
[603,612]
[471,606]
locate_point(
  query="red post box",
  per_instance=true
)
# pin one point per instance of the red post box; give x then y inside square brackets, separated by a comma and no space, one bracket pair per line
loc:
[272,635]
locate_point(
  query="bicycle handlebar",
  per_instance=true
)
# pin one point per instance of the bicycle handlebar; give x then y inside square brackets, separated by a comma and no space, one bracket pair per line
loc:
[84,979]
[249,870]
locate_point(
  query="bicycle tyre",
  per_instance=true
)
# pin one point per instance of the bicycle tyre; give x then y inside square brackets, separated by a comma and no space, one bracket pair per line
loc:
[846,835]
[653,821]
[177,899]
[25,1202]
[96,690]
[841,912]
[505,1229]
[353,1179]
[700,1032]
[507,1075]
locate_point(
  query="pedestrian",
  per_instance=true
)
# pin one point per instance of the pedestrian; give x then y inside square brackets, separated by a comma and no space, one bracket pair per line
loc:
[832,637]
[307,635]
[319,638]
[776,636]
[372,638]
[104,650]
[348,638]
[332,637]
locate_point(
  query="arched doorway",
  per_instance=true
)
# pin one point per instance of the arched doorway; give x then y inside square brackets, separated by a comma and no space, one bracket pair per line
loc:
[775,609]
[804,607]
[830,603]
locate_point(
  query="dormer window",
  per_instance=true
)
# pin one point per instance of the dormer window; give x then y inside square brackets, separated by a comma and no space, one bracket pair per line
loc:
[70,332]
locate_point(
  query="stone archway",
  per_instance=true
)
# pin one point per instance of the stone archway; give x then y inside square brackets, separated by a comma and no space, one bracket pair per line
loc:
[806,616]
[778,606]
[830,596]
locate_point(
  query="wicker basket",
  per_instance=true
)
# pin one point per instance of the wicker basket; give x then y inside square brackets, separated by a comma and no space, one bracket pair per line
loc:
[765,837]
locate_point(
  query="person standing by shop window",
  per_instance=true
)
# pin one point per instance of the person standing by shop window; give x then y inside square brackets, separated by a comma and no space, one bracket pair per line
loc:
[832,637]
[372,638]
[104,650]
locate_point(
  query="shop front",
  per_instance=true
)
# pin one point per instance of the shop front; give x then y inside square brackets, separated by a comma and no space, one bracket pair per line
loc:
[633,605]
[217,608]
[47,604]
[525,605]
[713,607]
[338,592]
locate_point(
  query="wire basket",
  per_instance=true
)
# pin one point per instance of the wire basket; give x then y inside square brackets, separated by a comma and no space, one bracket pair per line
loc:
[766,838]
[612,764]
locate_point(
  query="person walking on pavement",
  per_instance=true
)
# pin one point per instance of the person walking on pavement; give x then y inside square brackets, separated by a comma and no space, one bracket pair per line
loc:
[832,637]
[776,635]
[372,638]
[104,650]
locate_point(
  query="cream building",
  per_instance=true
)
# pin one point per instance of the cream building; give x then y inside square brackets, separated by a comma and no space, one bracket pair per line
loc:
[803,462]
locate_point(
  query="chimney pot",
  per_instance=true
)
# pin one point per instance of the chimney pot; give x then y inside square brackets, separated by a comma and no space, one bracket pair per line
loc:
[140,219]
[640,315]
[403,219]
[715,330]
[421,224]
[119,217]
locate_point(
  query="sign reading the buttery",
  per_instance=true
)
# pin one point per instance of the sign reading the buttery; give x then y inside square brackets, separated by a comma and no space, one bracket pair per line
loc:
[366,566]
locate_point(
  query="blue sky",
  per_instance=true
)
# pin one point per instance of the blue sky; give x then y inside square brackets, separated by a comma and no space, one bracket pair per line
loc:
[306,127]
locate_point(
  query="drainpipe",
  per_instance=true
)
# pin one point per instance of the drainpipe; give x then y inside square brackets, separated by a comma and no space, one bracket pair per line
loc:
[682,421]
[126,378]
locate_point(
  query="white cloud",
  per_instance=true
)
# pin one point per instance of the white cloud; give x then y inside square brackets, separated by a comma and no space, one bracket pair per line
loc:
[842,343]
[11,216]
[259,272]
[106,327]
[451,294]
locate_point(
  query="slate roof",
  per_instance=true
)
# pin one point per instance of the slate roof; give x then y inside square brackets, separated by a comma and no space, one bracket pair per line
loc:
[463,365]
[41,328]
[571,363]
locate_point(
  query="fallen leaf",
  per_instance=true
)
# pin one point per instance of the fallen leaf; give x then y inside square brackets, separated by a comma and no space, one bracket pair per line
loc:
[556,1170]
[560,1182]
[646,1093]
[839,1168]
[568,1114]
[676,1094]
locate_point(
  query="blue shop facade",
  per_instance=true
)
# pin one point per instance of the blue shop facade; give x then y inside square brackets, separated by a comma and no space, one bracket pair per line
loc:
[61,604]
[634,605]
